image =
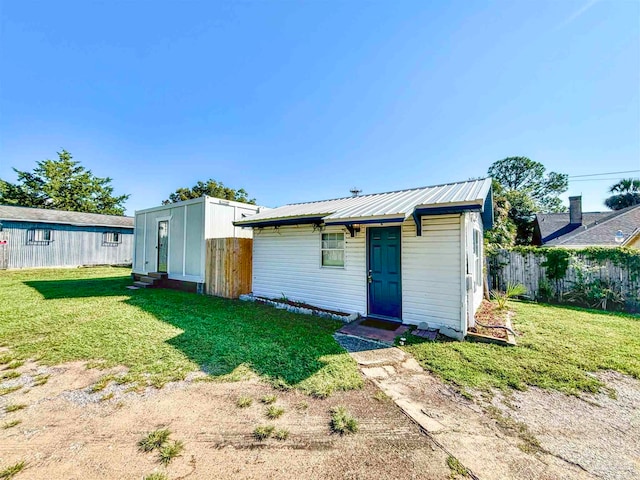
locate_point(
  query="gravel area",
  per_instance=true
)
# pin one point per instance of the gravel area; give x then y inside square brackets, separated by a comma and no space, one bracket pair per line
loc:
[601,433]
[357,344]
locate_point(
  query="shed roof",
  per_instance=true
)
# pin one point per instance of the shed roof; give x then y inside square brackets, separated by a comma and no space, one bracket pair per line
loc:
[45,215]
[602,231]
[387,206]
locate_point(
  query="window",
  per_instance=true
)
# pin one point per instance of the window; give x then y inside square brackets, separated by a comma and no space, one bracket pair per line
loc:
[38,236]
[111,238]
[477,257]
[332,249]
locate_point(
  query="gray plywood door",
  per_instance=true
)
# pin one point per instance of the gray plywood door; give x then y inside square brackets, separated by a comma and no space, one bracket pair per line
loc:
[163,245]
[4,250]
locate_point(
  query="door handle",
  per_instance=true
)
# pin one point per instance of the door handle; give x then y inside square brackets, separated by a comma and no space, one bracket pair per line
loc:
[369,277]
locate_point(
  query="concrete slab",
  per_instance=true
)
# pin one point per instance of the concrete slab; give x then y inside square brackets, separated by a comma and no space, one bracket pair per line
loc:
[383,356]
[375,372]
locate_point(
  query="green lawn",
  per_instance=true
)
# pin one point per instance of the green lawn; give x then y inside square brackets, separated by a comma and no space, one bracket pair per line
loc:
[161,335]
[558,350]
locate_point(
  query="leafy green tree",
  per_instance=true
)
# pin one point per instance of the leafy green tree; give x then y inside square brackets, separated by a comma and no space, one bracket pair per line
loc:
[627,194]
[527,188]
[503,233]
[62,184]
[211,188]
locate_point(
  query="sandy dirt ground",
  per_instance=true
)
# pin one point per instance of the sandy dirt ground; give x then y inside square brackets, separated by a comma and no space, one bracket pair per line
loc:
[66,432]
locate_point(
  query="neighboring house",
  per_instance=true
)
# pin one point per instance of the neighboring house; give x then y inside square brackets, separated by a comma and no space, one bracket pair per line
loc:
[171,239]
[576,229]
[411,256]
[39,237]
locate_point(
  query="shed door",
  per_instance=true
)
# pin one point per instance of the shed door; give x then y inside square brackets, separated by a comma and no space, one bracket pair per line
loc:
[384,280]
[4,250]
[163,245]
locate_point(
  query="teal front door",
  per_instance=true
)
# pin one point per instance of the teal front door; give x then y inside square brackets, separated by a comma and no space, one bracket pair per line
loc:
[384,276]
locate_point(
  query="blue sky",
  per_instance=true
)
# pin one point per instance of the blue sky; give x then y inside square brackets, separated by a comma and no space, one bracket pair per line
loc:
[298,101]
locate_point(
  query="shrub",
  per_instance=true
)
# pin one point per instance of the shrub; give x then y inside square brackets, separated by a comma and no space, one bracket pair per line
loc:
[342,421]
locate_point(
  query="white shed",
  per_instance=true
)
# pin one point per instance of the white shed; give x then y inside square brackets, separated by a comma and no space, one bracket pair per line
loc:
[171,239]
[412,256]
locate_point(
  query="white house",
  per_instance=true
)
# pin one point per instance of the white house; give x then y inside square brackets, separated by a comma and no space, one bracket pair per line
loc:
[412,256]
[171,239]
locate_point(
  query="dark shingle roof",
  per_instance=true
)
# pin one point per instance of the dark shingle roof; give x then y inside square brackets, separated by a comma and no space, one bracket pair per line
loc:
[601,231]
[26,214]
[554,225]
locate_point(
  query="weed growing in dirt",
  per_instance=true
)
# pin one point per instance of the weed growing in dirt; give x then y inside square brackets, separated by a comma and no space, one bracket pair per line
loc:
[14,407]
[8,390]
[456,467]
[170,451]
[274,412]
[154,440]
[244,401]
[8,375]
[381,396]
[12,471]
[107,396]
[40,380]
[156,476]
[5,358]
[281,434]
[342,421]
[13,364]
[269,399]
[302,405]
[520,429]
[263,432]
[10,424]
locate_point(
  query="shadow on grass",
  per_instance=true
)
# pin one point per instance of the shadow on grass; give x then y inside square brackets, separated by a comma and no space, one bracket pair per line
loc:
[229,337]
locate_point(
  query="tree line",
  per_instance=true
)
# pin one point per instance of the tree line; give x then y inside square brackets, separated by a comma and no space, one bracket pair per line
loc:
[521,188]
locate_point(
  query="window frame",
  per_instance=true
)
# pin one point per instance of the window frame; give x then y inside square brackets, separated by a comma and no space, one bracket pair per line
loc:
[108,238]
[39,236]
[327,249]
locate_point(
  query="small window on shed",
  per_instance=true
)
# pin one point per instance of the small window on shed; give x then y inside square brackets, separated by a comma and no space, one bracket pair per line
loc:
[39,236]
[111,238]
[332,249]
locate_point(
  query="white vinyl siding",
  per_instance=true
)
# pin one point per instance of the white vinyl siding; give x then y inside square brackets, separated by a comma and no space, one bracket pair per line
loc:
[475,262]
[431,272]
[287,261]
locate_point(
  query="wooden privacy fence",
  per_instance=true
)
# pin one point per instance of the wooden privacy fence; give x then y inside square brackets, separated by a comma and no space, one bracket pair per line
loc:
[528,268]
[228,267]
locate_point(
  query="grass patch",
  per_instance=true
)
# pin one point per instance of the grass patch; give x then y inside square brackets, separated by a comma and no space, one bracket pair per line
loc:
[10,424]
[558,349]
[263,432]
[156,476]
[5,358]
[169,451]
[281,434]
[40,380]
[162,335]
[8,390]
[274,412]
[381,397]
[14,407]
[13,364]
[107,396]
[12,471]
[154,440]
[8,375]
[269,399]
[342,421]
[244,401]
[457,469]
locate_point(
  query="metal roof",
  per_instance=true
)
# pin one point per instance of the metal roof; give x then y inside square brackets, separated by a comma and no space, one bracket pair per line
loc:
[390,205]
[45,215]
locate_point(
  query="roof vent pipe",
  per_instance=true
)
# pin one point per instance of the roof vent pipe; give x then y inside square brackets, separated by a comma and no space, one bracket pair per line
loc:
[575,210]
[355,192]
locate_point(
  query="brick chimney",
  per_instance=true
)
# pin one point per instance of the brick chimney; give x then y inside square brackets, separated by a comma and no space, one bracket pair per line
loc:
[575,210]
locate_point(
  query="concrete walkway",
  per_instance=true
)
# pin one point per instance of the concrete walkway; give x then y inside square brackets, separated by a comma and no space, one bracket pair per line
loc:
[459,426]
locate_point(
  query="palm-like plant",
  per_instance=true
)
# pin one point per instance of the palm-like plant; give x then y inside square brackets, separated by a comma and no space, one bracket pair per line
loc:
[627,194]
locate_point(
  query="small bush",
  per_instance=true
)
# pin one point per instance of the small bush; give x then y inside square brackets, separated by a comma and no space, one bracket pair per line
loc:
[14,407]
[244,401]
[281,434]
[274,412]
[170,451]
[342,421]
[154,440]
[269,399]
[263,432]
[12,471]
[513,290]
